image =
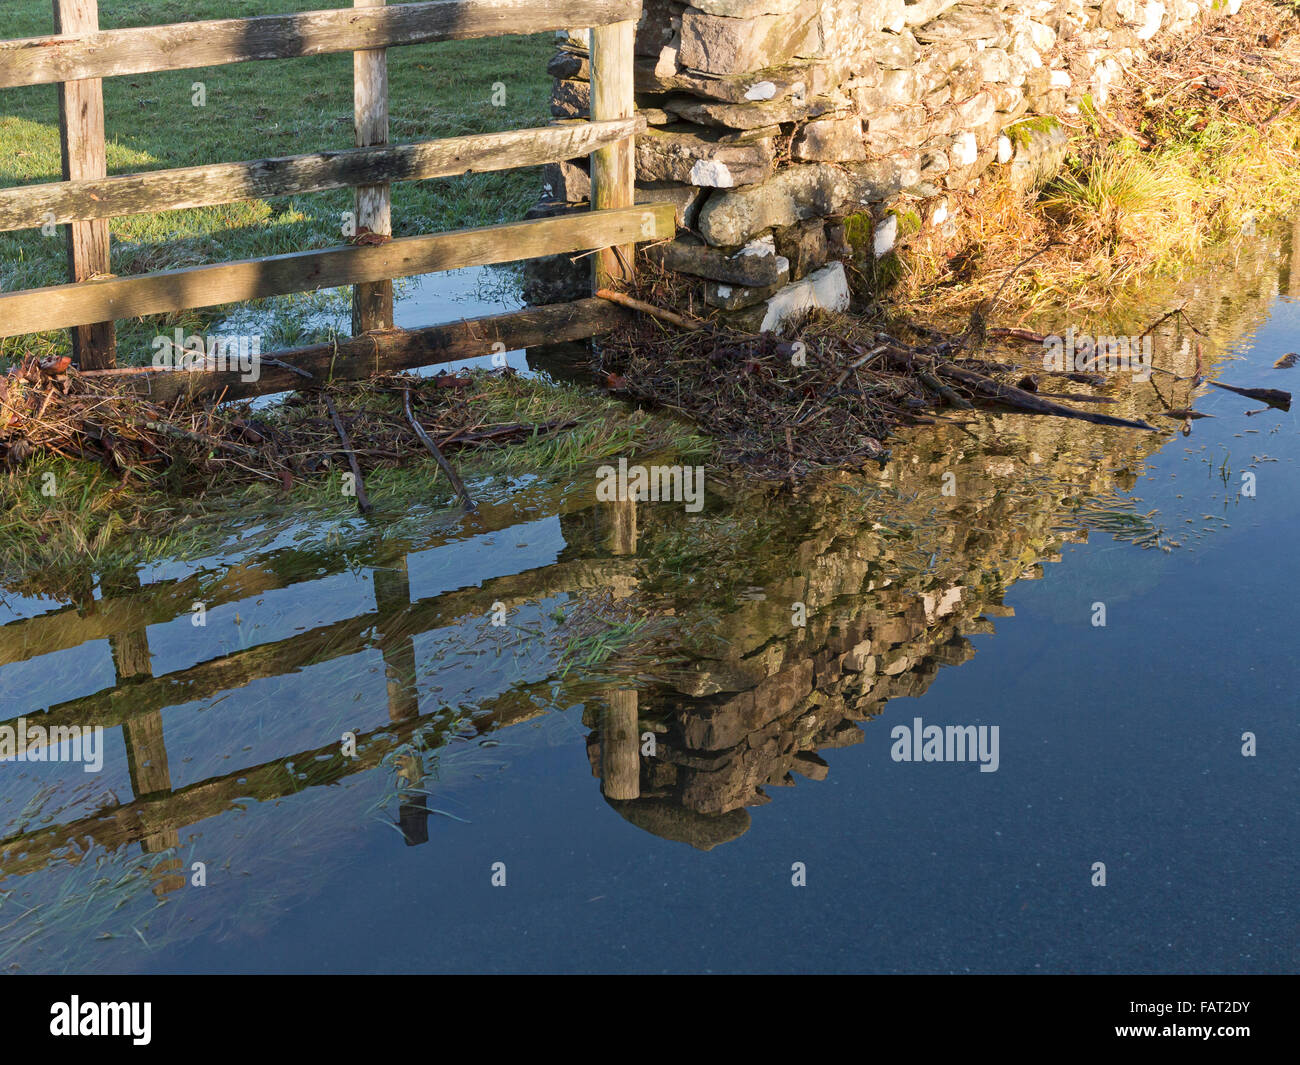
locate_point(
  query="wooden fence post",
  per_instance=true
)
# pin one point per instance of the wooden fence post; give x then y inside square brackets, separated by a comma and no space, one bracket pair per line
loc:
[613,169]
[372,302]
[81,136]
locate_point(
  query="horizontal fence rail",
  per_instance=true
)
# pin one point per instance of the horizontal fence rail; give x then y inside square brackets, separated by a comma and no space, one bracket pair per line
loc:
[80,54]
[381,351]
[36,310]
[184,45]
[29,206]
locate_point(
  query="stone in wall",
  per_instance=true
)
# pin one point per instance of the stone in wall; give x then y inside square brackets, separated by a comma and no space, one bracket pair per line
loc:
[771,84]
[756,265]
[716,44]
[729,297]
[775,119]
[804,246]
[754,115]
[571,99]
[793,195]
[703,157]
[830,140]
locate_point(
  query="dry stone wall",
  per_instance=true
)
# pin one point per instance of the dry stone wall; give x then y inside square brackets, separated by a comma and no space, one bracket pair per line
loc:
[771,122]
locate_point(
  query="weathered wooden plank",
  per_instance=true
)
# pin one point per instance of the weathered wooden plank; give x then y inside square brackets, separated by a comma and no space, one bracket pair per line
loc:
[385,352]
[372,302]
[613,168]
[60,306]
[620,746]
[28,206]
[81,139]
[71,56]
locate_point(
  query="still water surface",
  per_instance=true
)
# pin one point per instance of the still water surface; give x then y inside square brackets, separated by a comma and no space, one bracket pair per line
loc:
[480,744]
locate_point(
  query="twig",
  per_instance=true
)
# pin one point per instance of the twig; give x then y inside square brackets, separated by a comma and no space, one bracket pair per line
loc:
[650,309]
[427,441]
[363,501]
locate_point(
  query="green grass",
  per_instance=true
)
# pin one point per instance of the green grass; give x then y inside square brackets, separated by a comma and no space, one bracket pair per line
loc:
[252,111]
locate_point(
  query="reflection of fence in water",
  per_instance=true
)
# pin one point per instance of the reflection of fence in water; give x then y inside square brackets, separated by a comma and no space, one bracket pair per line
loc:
[138,698]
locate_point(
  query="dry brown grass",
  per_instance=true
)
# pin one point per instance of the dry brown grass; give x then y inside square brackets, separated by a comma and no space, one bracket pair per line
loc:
[1216,157]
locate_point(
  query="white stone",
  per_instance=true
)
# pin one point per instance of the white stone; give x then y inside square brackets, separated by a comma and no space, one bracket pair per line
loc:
[940,215]
[761,90]
[1060,79]
[1150,15]
[827,288]
[1108,73]
[666,65]
[709,173]
[1004,148]
[882,240]
[760,246]
[1044,37]
[964,149]
[1234,6]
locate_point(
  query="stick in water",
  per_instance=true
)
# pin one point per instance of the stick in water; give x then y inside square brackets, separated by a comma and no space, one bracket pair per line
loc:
[363,501]
[427,441]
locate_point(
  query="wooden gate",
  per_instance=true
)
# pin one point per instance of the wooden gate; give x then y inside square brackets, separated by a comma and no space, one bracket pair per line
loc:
[79,55]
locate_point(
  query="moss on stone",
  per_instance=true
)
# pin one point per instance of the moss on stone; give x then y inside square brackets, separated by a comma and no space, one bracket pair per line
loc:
[858,229]
[1022,132]
[909,222]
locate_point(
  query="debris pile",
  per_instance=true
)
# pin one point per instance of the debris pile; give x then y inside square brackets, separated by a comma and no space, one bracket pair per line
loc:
[829,399]
[47,408]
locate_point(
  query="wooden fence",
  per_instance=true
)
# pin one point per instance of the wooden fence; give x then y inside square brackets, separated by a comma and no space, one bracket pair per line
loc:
[79,55]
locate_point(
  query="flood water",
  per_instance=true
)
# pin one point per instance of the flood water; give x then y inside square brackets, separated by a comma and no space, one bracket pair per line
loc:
[677,753]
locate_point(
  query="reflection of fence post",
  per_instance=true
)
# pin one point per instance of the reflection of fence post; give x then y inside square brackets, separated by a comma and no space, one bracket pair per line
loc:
[146,747]
[393,600]
[622,526]
[81,135]
[1293,282]
[372,302]
[613,169]
[620,747]
[146,753]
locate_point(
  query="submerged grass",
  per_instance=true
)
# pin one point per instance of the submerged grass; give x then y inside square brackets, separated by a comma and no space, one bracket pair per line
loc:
[65,516]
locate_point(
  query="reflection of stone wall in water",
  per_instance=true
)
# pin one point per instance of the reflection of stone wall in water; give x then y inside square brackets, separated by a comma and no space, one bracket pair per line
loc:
[773,120]
[763,696]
